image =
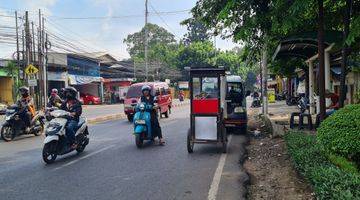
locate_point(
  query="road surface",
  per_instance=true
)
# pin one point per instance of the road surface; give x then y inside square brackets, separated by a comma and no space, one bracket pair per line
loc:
[111,167]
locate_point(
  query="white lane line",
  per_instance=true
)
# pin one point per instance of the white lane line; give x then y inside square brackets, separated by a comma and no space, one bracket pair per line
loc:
[217,176]
[84,157]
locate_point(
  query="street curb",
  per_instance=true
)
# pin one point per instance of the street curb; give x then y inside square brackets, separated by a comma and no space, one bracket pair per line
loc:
[123,116]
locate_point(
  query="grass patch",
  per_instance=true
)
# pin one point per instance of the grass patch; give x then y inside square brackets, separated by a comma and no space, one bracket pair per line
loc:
[328,180]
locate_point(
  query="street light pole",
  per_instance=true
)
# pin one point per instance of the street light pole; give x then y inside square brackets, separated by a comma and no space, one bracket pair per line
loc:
[146,41]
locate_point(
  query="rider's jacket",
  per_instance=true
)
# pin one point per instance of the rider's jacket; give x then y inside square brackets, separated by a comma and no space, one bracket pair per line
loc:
[72,106]
[55,101]
[26,103]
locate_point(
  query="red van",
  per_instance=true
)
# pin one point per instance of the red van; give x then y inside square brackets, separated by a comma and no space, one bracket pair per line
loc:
[160,90]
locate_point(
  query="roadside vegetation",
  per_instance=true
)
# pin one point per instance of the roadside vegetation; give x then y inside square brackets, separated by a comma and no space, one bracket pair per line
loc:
[328,179]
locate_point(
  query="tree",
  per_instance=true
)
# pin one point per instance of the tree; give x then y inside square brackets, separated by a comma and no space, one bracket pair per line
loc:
[11,69]
[197,31]
[156,35]
[197,54]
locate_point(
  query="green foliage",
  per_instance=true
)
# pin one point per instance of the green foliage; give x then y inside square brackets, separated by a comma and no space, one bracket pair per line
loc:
[343,163]
[156,35]
[328,181]
[197,31]
[197,54]
[339,133]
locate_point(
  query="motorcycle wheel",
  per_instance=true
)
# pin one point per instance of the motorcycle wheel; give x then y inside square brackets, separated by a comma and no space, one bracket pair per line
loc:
[81,147]
[38,133]
[7,133]
[47,154]
[138,141]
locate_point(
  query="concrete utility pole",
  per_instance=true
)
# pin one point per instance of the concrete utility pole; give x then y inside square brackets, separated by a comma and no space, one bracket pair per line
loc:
[28,47]
[146,41]
[264,79]
[17,46]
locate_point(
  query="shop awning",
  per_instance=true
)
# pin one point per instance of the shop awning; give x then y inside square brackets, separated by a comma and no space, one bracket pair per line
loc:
[81,80]
[305,45]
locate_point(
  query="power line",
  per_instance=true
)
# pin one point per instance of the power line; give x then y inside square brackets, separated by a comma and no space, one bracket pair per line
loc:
[170,29]
[119,17]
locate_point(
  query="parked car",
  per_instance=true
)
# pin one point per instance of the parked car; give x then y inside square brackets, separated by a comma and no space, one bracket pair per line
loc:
[2,109]
[90,99]
[160,90]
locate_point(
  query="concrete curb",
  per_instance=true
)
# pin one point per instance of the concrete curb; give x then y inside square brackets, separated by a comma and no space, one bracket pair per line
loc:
[123,116]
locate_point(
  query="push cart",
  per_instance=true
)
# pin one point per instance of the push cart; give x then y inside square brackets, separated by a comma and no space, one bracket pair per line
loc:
[207,97]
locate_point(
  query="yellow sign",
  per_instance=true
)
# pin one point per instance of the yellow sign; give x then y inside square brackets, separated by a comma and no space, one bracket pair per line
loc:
[271,96]
[31,69]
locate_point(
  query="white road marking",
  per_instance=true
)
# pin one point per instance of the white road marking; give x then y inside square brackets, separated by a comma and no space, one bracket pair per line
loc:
[84,157]
[217,176]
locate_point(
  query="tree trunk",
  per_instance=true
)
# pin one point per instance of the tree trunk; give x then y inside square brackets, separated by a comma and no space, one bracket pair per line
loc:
[344,53]
[321,60]
[264,78]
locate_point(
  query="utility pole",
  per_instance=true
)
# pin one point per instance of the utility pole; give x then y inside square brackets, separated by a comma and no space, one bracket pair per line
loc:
[17,46]
[264,79]
[146,41]
[28,46]
[40,55]
[23,53]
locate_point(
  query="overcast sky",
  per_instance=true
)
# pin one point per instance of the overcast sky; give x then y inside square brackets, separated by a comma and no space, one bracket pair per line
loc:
[108,21]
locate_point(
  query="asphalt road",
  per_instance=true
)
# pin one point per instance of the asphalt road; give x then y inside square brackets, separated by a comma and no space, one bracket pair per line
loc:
[111,167]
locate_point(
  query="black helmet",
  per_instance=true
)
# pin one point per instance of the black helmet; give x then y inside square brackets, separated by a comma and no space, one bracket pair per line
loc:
[145,87]
[24,91]
[70,93]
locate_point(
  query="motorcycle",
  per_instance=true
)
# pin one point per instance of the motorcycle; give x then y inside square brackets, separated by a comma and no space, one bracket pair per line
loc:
[48,111]
[256,102]
[15,126]
[142,124]
[56,142]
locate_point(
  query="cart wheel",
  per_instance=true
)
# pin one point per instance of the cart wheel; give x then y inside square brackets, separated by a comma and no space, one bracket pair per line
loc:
[190,143]
[224,140]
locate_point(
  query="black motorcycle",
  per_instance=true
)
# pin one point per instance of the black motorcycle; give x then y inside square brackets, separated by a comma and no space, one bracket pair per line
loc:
[15,126]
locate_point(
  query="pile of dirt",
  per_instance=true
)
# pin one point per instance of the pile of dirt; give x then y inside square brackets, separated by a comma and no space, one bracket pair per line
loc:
[271,172]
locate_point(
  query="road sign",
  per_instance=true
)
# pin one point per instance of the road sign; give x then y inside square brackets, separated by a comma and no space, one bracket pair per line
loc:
[31,69]
[32,82]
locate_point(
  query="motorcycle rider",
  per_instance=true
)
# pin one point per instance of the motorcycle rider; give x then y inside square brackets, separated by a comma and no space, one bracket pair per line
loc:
[26,105]
[73,106]
[54,99]
[150,99]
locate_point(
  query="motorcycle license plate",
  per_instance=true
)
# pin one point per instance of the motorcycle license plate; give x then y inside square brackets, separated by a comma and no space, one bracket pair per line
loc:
[140,121]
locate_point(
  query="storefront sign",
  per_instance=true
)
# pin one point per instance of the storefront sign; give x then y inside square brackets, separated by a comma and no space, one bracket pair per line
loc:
[57,76]
[183,85]
[32,82]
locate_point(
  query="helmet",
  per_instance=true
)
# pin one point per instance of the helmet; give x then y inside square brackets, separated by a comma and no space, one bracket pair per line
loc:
[24,91]
[145,87]
[54,91]
[70,93]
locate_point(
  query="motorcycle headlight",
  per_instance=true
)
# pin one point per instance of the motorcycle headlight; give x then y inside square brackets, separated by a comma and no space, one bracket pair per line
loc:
[52,128]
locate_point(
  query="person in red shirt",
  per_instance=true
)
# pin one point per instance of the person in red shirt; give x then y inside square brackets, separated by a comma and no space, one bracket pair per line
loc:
[334,102]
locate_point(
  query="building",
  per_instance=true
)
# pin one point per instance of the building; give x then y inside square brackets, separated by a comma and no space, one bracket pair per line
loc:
[6,84]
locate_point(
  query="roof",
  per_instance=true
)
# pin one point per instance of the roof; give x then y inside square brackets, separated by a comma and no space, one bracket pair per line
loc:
[305,45]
